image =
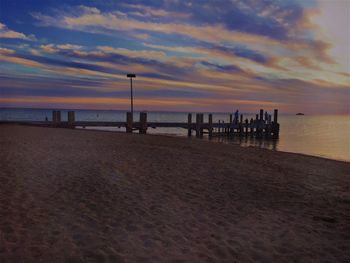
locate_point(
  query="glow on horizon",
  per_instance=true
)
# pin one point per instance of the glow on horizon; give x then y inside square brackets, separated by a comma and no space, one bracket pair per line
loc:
[188,56]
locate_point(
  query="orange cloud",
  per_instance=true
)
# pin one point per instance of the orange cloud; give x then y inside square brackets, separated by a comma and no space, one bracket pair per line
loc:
[133,53]
[21,61]
[7,33]
[140,102]
[50,48]
[6,51]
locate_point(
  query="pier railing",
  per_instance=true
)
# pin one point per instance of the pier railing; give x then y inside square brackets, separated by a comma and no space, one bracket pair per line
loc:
[263,126]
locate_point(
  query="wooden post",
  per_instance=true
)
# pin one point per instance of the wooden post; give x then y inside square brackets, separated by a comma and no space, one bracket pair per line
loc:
[276,131]
[246,127]
[219,128]
[143,122]
[231,122]
[268,130]
[251,128]
[202,121]
[241,124]
[256,122]
[59,117]
[260,121]
[189,123]
[210,128]
[56,118]
[275,116]
[129,122]
[71,118]
[276,126]
[198,125]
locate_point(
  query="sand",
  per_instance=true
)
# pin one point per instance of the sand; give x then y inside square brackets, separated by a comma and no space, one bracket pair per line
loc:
[92,196]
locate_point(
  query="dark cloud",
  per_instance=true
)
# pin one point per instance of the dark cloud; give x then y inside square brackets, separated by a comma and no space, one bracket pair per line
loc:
[222,68]
[63,58]
[16,86]
[241,51]
[271,18]
[266,17]
[65,63]
[165,70]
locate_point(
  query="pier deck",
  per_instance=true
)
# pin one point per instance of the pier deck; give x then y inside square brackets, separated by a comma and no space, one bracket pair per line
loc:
[258,127]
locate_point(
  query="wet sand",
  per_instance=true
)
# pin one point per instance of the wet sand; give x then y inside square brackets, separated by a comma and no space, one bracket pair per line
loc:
[92,196]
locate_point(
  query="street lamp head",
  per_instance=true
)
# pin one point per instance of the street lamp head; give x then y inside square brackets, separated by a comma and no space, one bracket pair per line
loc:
[131,76]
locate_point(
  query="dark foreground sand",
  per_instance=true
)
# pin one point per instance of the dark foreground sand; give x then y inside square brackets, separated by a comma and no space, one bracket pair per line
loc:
[89,196]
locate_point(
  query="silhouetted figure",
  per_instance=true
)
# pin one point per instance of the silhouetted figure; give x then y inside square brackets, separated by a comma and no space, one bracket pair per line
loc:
[46,119]
[236,116]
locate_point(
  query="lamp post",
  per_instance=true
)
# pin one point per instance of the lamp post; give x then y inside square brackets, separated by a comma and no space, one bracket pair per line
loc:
[131,76]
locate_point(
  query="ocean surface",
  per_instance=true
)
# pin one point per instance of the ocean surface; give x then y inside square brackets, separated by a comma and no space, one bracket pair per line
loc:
[324,136]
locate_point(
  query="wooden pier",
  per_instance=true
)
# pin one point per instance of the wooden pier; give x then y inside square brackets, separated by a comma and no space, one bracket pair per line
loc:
[263,126]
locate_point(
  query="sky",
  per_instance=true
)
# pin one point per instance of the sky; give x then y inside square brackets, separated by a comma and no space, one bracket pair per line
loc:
[205,56]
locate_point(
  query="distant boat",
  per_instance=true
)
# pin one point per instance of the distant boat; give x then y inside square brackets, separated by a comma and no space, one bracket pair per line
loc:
[300,113]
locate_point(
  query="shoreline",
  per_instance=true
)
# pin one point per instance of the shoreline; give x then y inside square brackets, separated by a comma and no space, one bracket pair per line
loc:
[223,142]
[73,196]
[191,138]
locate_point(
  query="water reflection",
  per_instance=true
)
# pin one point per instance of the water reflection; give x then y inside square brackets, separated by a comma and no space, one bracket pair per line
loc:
[247,141]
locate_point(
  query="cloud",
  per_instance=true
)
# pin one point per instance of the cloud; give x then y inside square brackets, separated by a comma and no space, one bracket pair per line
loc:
[327,22]
[69,46]
[133,53]
[142,36]
[229,55]
[146,11]
[212,32]
[223,68]
[6,51]
[262,52]
[18,60]
[117,21]
[219,81]
[123,103]
[142,60]
[49,48]
[34,52]
[243,52]
[268,18]
[89,10]
[52,48]
[7,33]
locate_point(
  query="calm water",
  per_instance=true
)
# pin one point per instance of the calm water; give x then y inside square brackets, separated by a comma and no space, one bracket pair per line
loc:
[325,136]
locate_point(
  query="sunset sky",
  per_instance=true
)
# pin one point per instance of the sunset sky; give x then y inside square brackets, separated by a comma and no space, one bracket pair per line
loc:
[199,55]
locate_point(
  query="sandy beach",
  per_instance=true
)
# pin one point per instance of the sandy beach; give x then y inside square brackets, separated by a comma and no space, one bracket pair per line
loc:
[92,196]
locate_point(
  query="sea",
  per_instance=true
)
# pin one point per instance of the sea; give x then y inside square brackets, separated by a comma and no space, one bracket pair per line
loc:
[325,136]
